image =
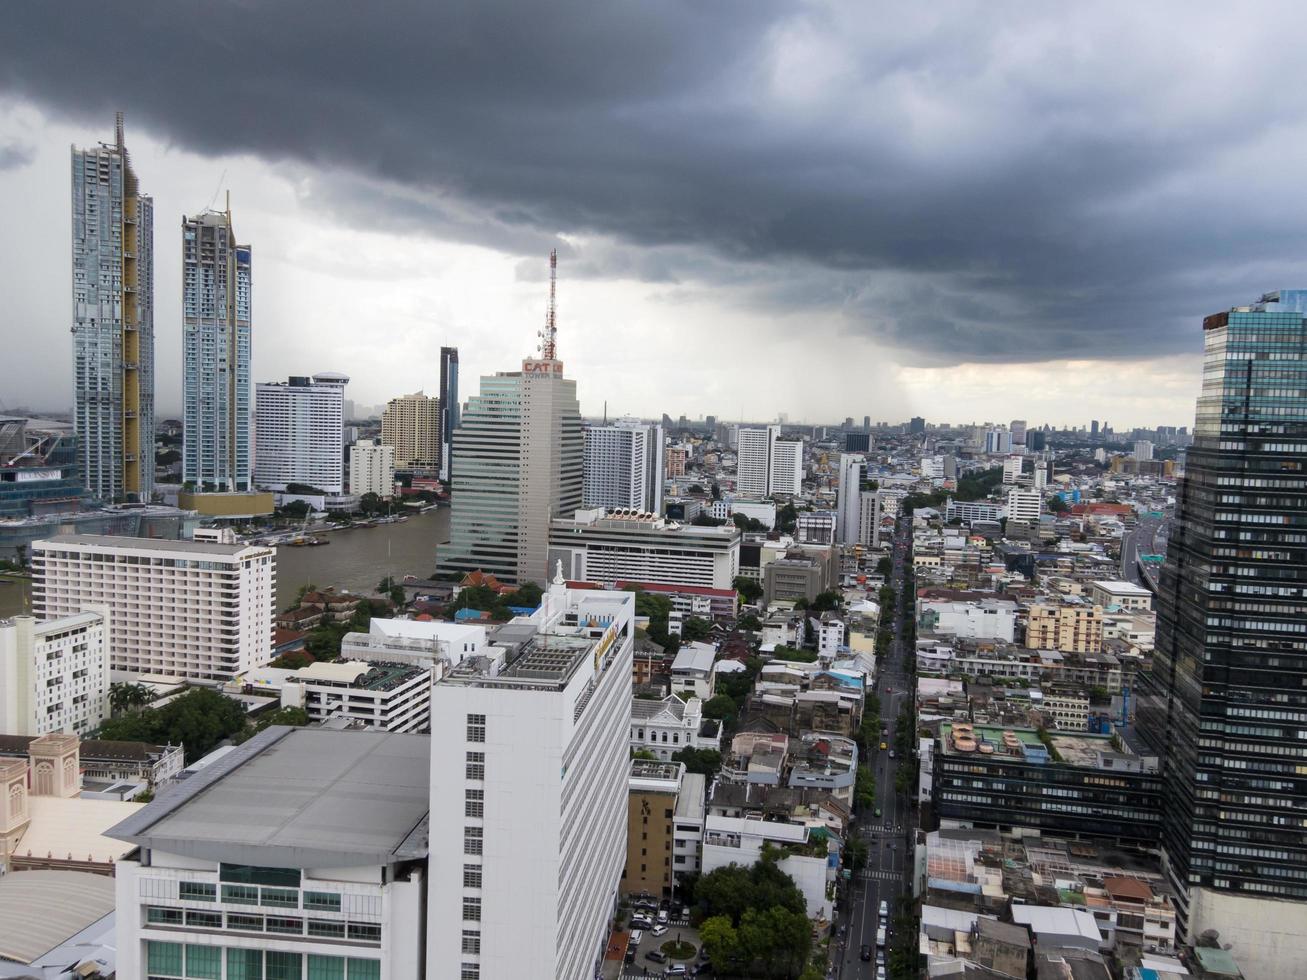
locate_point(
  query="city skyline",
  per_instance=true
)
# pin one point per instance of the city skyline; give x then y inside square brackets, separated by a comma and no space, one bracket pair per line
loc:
[926,247]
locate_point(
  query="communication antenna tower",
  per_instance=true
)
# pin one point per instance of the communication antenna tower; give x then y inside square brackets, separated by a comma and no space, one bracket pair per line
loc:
[549,349]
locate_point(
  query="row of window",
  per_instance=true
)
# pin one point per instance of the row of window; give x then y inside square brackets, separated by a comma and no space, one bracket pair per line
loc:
[168,960]
[367,932]
[288,898]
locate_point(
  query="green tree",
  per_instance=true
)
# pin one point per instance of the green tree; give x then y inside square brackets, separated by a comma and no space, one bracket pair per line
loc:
[293,660]
[199,719]
[750,589]
[721,942]
[794,654]
[694,628]
[749,622]
[787,519]
[124,697]
[749,524]
[855,853]
[826,602]
[885,567]
[720,706]
[705,762]
[1057,505]
[864,789]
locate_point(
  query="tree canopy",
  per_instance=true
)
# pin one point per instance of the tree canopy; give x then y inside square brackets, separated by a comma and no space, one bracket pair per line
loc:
[750,589]
[199,719]
[755,920]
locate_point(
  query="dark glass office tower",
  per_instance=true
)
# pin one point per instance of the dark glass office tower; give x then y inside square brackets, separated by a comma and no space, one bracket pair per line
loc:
[1225,704]
[449,407]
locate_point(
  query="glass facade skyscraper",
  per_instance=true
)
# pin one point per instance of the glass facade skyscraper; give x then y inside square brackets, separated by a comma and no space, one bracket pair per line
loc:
[1225,703]
[216,354]
[113,322]
[449,406]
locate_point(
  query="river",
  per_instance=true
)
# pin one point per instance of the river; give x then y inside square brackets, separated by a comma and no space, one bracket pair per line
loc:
[355,560]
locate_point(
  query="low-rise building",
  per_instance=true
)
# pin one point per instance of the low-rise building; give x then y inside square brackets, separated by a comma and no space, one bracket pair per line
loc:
[692,670]
[417,642]
[1068,627]
[384,697]
[628,546]
[806,853]
[667,726]
[1122,595]
[991,619]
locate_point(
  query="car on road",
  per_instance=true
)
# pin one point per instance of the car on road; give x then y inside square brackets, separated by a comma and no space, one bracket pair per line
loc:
[641,923]
[891,753]
[883,746]
[657,955]
[880,972]
[676,970]
[866,954]
[884,907]
[658,930]
[662,915]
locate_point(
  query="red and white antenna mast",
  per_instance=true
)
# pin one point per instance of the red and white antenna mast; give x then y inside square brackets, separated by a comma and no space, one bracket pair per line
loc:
[549,349]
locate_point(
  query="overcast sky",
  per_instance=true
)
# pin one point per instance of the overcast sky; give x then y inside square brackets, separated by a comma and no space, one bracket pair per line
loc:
[967,211]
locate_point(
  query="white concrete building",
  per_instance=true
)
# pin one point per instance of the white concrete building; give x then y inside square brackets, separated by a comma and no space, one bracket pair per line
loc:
[830,637]
[1012,471]
[667,726]
[692,670]
[299,854]
[1024,504]
[990,619]
[753,459]
[786,468]
[529,792]
[1123,595]
[192,609]
[419,643]
[739,840]
[382,697]
[624,466]
[631,546]
[372,469]
[1143,450]
[816,527]
[54,675]
[299,433]
[848,500]
[969,511]
[687,832]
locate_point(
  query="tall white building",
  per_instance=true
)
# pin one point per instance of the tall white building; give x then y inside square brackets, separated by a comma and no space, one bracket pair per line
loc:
[520,461]
[113,322]
[1012,470]
[1024,504]
[54,674]
[301,855]
[635,547]
[998,442]
[544,717]
[617,467]
[848,499]
[216,354]
[193,609]
[372,468]
[299,433]
[1143,450]
[766,464]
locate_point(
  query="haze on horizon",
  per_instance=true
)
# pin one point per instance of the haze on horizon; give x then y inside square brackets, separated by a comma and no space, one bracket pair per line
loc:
[969,212]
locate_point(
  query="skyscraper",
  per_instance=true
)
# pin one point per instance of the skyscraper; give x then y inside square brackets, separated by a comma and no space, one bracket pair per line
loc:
[766,464]
[299,433]
[520,455]
[624,466]
[216,354]
[113,322]
[848,499]
[1225,703]
[449,407]
[413,425]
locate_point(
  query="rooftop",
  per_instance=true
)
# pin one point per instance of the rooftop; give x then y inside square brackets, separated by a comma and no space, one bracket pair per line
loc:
[146,544]
[357,673]
[296,798]
[41,909]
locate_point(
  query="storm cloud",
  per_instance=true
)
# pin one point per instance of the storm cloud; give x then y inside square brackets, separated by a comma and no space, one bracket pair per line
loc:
[961,182]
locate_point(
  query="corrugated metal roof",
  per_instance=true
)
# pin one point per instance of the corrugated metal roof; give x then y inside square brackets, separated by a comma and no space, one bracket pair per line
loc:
[41,909]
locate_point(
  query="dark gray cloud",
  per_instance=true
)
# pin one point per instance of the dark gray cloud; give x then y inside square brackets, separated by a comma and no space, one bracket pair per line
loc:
[972,181]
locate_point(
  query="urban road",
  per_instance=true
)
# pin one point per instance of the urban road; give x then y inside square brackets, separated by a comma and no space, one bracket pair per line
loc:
[888,837]
[1143,540]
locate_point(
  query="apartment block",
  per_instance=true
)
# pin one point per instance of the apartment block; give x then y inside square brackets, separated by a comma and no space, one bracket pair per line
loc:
[1068,628]
[198,610]
[544,717]
[54,674]
[413,426]
[299,434]
[372,468]
[650,827]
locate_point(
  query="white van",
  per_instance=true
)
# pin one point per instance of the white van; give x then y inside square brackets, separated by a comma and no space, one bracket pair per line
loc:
[880,937]
[636,936]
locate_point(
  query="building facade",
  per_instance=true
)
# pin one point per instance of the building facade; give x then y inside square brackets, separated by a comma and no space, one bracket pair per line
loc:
[39,474]
[449,406]
[379,696]
[753,459]
[1068,628]
[54,674]
[372,468]
[617,468]
[197,610]
[651,828]
[113,322]
[848,506]
[413,425]
[217,348]
[299,433]
[1223,703]
[520,464]
[638,547]
[544,716]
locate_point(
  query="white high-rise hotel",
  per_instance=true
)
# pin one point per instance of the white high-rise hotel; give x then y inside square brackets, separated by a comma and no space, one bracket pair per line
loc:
[216,354]
[113,322]
[299,433]
[54,675]
[766,464]
[529,793]
[624,466]
[194,609]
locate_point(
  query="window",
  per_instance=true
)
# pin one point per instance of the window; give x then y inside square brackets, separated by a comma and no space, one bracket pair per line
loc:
[364,969]
[472,840]
[474,803]
[285,925]
[204,920]
[471,909]
[249,874]
[197,891]
[282,898]
[322,901]
[163,917]
[204,962]
[471,876]
[476,728]
[163,959]
[325,967]
[284,966]
[476,765]
[470,971]
[472,942]
[368,932]
[325,929]
[247,923]
[244,964]
[240,894]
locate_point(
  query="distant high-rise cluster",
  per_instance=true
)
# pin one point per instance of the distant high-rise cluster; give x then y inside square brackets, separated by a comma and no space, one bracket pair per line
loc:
[113,322]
